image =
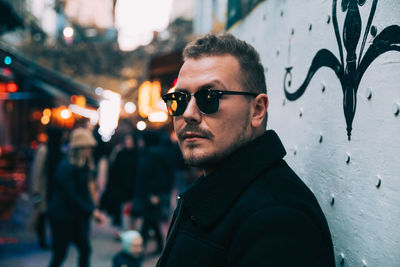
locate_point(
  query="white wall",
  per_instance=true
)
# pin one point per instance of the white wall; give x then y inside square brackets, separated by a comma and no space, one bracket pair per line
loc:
[207,12]
[364,219]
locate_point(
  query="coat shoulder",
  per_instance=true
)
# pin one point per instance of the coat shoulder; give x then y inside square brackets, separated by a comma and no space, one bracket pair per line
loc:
[278,186]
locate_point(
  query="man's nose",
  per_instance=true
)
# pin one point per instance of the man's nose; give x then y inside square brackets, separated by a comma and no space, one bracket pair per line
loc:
[192,113]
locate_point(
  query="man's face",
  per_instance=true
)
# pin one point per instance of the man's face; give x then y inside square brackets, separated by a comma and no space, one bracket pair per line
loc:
[206,139]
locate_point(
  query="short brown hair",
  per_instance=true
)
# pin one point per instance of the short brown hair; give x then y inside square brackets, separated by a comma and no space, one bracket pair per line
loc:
[253,78]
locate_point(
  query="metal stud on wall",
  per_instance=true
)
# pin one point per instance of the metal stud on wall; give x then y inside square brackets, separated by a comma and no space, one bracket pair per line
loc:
[323,87]
[348,158]
[396,109]
[378,181]
[368,93]
[364,263]
[332,202]
[341,258]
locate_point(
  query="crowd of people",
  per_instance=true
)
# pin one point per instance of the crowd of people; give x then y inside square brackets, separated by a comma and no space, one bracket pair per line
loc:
[76,176]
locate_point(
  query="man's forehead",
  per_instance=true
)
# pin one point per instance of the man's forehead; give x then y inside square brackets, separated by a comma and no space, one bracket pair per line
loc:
[209,70]
[212,60]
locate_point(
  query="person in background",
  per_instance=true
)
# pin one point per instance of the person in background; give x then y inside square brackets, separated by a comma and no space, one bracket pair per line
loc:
[155,182]
[46,159]
[131,254]
[121,182]
[71,205]
[248,208]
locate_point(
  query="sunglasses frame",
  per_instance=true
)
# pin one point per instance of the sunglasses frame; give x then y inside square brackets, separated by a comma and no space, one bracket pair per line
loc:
[217,94]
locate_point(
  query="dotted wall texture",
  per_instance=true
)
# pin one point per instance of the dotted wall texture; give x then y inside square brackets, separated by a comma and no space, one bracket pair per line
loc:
[357,182]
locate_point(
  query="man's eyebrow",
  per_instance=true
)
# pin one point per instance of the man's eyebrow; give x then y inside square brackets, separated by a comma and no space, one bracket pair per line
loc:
[181,90]
[209,85]
[212,84]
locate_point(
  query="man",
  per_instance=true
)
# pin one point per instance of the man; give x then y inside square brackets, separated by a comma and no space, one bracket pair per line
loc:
[248,208]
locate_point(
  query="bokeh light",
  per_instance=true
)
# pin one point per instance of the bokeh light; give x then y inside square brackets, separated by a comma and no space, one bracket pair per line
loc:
[68,32]
[129,107]
[47,112]
[45,120]
[141,125]
[66,114]
[7,60]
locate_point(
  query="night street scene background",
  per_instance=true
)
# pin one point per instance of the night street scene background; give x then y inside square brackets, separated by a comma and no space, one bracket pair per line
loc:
[332,70]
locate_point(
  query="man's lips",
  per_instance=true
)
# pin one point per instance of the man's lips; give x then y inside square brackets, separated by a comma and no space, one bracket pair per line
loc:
[192,135]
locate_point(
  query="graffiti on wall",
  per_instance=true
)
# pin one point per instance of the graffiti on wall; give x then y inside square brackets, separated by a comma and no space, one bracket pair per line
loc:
[350,72]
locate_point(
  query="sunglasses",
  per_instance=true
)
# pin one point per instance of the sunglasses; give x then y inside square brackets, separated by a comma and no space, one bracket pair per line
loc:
[206,100]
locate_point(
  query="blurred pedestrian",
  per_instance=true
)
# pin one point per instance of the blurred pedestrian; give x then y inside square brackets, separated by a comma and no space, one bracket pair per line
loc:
[71,204]
[154,184]
[122,175]
[47,157]
[131,254]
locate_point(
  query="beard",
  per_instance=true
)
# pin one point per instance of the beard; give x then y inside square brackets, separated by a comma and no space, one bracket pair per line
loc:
[209,161]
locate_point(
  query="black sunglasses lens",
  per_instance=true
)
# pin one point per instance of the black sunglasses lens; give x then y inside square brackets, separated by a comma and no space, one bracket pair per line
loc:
[176,103]
[207,101]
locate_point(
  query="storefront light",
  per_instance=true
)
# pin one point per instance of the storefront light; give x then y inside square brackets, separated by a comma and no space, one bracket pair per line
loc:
[109,110]
[158,116]
[91,114]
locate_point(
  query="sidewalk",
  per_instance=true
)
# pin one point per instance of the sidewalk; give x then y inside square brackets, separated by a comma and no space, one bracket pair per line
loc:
[19,247]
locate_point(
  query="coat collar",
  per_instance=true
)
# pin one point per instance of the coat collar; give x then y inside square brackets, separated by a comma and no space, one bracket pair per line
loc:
[208,198]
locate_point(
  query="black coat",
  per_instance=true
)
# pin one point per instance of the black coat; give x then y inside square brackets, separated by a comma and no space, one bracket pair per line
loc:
[121,182]
[155,178]
[251,211]
[71,199]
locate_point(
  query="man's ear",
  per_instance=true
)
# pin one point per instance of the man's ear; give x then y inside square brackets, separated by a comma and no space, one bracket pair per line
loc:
[260,106]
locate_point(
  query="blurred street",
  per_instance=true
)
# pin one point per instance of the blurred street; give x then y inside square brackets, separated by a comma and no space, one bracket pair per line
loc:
[19,247]
[66,69]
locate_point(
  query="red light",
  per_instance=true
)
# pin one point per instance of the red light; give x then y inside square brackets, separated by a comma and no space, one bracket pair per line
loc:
[6,72]
[12,87]
[175,81]
[3,87]
[73,99]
